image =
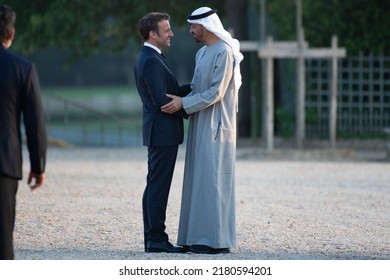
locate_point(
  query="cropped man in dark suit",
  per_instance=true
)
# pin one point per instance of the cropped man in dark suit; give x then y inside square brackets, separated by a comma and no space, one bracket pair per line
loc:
[162,132]
[19,96]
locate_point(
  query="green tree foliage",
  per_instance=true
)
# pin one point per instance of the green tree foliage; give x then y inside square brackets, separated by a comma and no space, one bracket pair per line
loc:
[361,25]
[87,26]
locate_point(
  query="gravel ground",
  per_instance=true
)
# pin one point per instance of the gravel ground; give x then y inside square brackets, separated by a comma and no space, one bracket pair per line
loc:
[311,204]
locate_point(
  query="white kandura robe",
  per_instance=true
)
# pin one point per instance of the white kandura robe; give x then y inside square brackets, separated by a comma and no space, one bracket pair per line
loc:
[207,215]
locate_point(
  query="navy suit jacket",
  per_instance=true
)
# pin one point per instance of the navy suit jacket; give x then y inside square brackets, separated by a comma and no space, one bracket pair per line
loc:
[154,79]
[20,96]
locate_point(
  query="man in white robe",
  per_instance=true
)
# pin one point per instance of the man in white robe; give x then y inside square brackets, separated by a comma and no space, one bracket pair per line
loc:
[207,217]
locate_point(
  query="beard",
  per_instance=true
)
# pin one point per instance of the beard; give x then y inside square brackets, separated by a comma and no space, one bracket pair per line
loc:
[196,38]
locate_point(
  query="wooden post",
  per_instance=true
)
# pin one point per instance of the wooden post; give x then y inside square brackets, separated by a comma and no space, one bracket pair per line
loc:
[300,80]
[269,98]
[279,50]
[270,50]
[264,84]
[300,102]
[333,98]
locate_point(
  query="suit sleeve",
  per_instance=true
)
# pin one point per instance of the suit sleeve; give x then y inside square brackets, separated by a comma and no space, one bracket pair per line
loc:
[184,90]
[34,123]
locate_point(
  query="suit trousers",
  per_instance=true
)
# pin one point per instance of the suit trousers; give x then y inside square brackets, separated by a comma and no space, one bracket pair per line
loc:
[8,190]
[161,164]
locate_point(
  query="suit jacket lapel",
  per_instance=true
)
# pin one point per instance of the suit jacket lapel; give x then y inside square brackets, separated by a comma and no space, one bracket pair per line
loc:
[166,63]
[161,57]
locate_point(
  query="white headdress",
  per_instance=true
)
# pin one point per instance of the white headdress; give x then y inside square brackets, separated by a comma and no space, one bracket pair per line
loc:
[210,20]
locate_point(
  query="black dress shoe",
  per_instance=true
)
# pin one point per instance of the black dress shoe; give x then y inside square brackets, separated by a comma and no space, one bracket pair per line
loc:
[186,248]
[163,247]
[203,249]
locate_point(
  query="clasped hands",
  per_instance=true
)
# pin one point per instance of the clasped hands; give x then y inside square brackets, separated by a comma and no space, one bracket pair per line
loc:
[173,106]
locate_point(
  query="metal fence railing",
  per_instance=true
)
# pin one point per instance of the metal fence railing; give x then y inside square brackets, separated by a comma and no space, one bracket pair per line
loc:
[363,102]
[80,124]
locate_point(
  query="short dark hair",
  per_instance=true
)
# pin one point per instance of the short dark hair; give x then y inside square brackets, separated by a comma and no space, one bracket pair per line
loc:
[7,22]
[150,23]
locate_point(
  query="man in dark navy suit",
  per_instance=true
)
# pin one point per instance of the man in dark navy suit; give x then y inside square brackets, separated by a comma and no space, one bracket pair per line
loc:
[19,96]
[162,132]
